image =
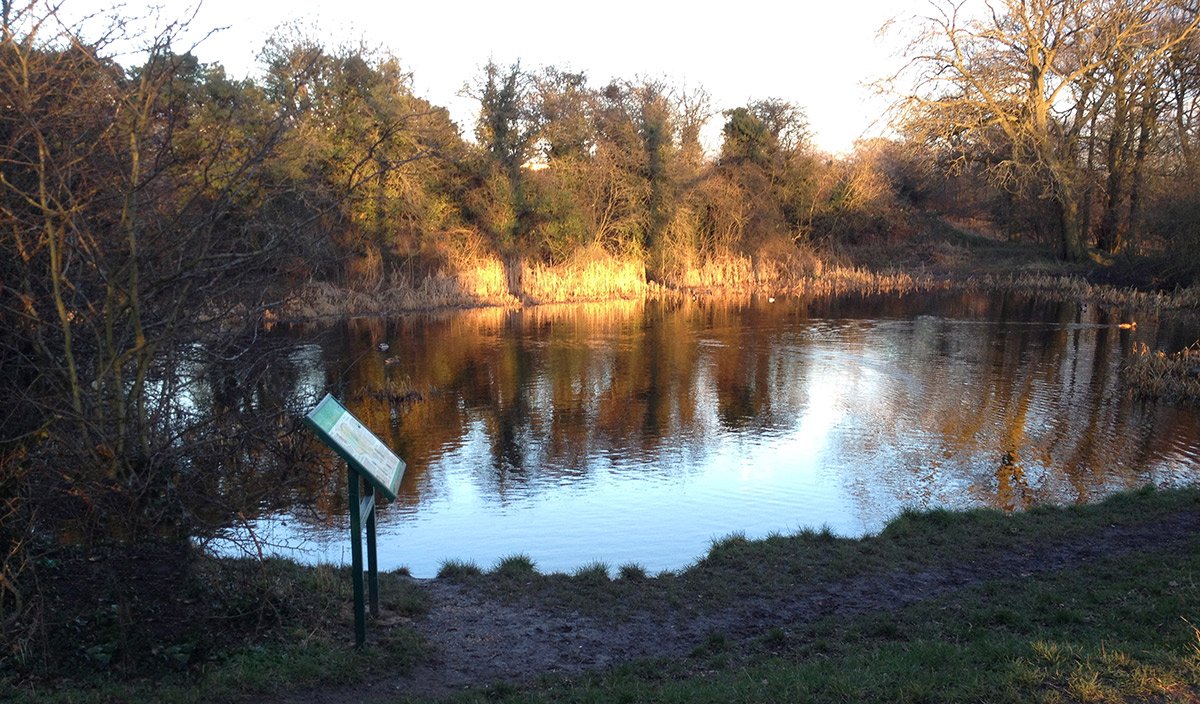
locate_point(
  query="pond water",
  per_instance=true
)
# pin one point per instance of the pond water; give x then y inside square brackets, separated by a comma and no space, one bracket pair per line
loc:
[638,432]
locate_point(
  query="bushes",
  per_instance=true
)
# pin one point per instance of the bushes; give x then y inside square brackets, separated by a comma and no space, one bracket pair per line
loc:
[1176,222]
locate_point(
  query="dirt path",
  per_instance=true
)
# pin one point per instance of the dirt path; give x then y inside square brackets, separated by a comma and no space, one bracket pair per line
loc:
[481,641]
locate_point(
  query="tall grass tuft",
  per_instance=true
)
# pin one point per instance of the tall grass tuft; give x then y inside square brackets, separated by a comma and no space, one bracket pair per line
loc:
[515,566]
[457,570]
[632,572]
[593,572]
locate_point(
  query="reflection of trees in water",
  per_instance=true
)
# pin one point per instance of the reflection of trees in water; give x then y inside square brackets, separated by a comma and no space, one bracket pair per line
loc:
[742,367]
[507,413]
[238,411]
[558,389]
[1003,401]
[1028,410]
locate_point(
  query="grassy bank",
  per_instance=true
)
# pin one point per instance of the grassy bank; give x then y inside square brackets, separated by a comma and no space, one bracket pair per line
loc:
[1117,631]
[1090,603]
[1107,619]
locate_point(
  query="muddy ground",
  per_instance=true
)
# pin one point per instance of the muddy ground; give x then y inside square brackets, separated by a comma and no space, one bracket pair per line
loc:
[481,637]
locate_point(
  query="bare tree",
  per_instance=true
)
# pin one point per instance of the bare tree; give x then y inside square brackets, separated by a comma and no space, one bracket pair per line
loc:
[130,266]
[1021,82]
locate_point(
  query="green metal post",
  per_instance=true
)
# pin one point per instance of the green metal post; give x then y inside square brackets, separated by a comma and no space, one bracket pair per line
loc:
[356,560]
[372,562]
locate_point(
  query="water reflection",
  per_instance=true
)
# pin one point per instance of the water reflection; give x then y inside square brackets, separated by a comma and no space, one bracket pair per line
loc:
[638,431]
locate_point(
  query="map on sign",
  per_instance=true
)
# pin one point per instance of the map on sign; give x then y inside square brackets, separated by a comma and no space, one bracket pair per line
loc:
[365,452]
[372,454]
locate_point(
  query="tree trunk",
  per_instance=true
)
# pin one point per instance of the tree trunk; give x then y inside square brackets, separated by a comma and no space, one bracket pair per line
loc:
[1181,124]
[1071,246]
[1109,237]
[1149,117]
[1089,194]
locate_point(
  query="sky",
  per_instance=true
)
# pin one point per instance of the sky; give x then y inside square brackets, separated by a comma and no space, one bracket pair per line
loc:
[820,56]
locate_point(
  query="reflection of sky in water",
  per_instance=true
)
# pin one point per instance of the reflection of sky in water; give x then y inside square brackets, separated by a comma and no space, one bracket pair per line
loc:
[307,358]
[778,423]
[624,510]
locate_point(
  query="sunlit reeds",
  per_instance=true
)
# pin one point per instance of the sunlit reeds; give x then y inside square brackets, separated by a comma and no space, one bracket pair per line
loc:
[1156,374]
[482,281]
[473,277]
[849,279]
[593,279]
[792,270]
[592,274]
[729,271]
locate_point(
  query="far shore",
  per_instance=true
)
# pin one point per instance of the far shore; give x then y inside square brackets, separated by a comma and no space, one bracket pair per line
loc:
[943,258]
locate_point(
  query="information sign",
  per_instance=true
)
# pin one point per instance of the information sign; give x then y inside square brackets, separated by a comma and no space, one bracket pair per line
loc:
[371,461]
[357,445]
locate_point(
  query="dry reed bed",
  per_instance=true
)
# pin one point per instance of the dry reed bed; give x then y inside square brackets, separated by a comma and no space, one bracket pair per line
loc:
[320,299]
[841,279]
[1076,289]
[591,275]
[485,281]
[1173,377]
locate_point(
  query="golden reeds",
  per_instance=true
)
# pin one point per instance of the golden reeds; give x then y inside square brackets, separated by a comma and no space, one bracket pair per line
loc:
[474,277]
[1173,377]
[591,274]
[725,272]
[797,271]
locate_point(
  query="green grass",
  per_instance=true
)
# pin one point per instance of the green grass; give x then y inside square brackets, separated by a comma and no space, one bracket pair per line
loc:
[632,572]
[1112,629]
[594,572]
[515,567]
[1116,629]
[244,673]
[1112,632]
[776,566]
[307,641]
[458,570]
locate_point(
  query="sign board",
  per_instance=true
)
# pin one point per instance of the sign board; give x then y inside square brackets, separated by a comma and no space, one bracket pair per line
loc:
[357,445]
[371,461]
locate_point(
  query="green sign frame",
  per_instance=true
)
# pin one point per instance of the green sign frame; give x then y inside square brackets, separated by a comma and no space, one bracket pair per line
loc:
[356,444]
[371,466]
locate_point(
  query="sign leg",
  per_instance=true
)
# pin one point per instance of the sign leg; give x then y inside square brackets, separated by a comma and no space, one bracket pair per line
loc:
[372,561]
[356,560]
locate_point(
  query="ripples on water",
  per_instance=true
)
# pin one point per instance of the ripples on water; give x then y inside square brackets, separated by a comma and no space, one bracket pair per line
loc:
[637,432]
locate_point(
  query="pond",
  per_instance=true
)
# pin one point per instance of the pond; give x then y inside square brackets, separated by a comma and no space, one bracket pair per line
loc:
[639,431]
